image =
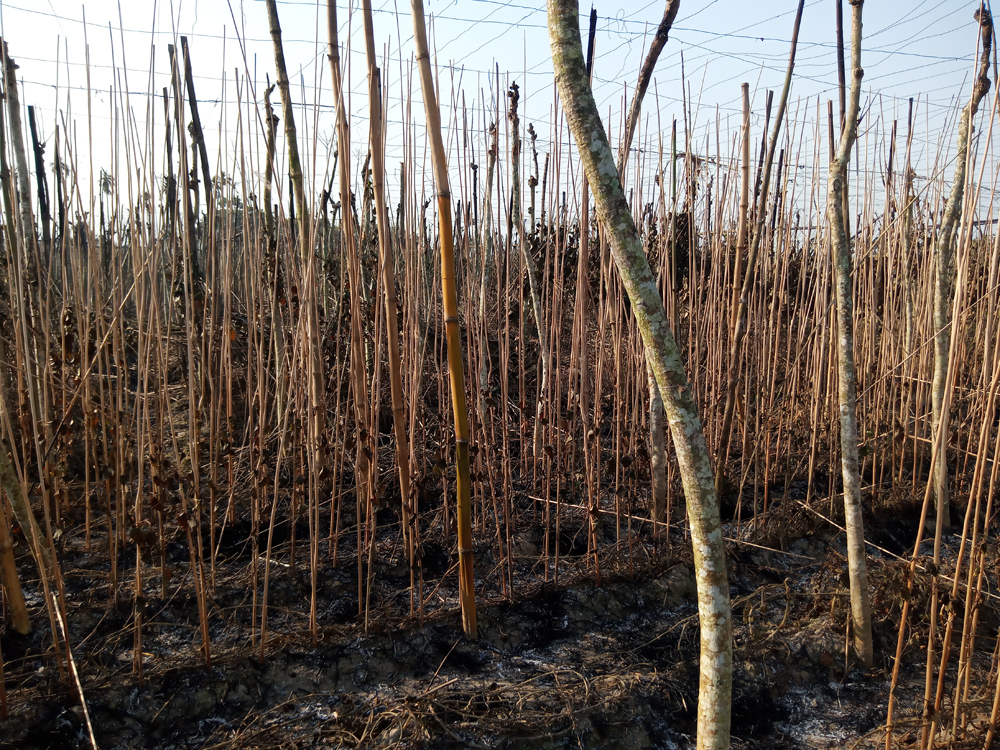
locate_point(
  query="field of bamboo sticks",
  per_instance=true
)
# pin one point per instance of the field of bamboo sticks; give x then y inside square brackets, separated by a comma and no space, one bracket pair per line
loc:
[387,463]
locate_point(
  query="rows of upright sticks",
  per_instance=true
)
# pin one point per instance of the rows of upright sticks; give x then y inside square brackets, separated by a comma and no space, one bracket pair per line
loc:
[186,358]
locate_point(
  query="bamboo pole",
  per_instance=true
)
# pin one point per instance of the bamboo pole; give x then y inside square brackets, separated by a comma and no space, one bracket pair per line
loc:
[456,368]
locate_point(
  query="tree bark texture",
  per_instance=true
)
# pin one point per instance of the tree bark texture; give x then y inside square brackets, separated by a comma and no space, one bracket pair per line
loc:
[715,690]
[944,269]
[847,389]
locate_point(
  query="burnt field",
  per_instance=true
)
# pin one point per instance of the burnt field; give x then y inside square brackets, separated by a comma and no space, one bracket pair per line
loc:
[491,447]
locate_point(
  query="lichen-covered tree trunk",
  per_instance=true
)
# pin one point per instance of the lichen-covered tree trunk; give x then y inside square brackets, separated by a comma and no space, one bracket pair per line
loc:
[847,391]
[585,123]
[944,261]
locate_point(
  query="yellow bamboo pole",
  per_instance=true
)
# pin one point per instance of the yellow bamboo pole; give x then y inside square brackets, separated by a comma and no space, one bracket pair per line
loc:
[456,370]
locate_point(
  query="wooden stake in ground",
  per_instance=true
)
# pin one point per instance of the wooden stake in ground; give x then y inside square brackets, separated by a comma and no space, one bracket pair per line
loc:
[585,123]
[847,391]
[456,368]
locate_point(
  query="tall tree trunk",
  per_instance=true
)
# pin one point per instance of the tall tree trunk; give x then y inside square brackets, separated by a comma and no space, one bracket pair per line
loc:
[8,190]
[944,261]
[277,322]
[645,76]
[581,317]
[199,149]
[847,391]
[585,123]
[294,164]
[657,447]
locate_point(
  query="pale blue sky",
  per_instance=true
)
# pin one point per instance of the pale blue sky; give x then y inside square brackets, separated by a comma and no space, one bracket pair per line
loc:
[920,49]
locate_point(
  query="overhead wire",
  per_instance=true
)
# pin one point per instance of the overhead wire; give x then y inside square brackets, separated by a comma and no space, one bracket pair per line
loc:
[752,59]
